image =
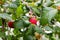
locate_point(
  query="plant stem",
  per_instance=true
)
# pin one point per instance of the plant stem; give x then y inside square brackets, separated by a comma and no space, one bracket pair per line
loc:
[3,25]
[41,7]
[3,22]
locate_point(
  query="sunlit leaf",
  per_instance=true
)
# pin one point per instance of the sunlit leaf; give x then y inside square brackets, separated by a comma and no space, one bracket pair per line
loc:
[47,15]
[19,11]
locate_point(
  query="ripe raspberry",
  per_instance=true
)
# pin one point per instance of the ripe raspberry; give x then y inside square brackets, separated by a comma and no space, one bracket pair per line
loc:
[33,20]
[10,24]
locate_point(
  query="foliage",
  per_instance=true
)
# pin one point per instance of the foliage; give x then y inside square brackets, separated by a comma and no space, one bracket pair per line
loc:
[42,10]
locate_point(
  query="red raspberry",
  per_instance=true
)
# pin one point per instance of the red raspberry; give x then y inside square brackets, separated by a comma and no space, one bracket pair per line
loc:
[10,24]
[33,20]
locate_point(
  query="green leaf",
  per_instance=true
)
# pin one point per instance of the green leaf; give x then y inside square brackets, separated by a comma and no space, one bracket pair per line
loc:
[30,30]
[2,34]
[9,37]
[51,14]
[47,15]
[39,30]
[29,37]
[13,16]
[43,21]
[19,11]
[36,11]
[26,23]
[48,3]
[12,5]
[16,31]
[57,29]
[19,24]
[5,16]
[57,16]
[48,28]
